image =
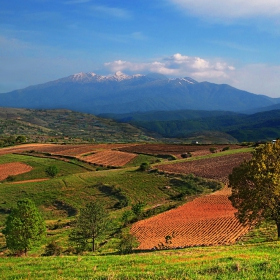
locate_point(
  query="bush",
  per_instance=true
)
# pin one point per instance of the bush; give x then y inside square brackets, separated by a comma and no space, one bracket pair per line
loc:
[144,166]
[213,150]
[128,242]
[52,170]
[53,249]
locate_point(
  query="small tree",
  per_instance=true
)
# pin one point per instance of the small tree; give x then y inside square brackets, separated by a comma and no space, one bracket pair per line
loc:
[24,228]
[256,186]
[137,208]
[144,166]
[127,243]
[52,170]
[126,217]
[21,139]
[92,223]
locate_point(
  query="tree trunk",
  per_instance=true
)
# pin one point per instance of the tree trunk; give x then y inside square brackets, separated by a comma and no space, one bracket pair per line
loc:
[93,244]
[278,230]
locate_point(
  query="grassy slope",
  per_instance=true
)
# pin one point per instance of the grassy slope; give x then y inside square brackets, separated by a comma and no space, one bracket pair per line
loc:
[224,262]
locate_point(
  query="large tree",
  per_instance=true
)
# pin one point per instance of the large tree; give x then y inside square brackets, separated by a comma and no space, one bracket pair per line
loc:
[92,223]
[256,186]
[25,228]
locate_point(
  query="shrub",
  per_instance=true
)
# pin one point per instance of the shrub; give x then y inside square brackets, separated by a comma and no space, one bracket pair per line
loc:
[144,166]
[53,249]
[213,150]
[52,170]
[128,242]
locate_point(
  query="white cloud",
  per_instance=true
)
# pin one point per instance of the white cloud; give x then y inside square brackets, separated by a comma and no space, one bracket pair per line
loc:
[177,65]
[230,8]
[255,78]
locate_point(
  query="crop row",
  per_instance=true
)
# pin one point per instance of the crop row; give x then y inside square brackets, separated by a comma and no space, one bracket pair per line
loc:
[109,158]
[208,220]
[172,149]
[217,168]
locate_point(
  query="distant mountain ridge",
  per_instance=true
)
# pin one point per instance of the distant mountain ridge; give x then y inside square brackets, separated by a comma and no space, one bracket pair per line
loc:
[121,93]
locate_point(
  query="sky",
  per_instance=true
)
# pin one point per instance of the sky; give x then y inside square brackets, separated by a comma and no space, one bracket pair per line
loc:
[236,42]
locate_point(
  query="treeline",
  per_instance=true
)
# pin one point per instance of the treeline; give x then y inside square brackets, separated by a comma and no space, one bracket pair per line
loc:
[12,140]
[256,127]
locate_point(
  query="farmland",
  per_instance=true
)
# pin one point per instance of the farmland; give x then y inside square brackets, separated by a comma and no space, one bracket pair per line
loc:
[217,168]
[205,221]
[13,168]
[199,214]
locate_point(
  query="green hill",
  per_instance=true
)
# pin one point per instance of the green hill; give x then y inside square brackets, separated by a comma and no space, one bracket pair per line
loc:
[43,125]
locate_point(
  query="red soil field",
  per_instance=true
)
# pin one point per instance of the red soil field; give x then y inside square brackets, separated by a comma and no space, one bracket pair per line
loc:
[173,149]
[13,168]
[109,158]
[67,150]
[205,221]
[217,168]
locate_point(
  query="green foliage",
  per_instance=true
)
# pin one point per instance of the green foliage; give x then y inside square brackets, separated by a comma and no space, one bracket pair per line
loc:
[255,186]
[138,208]
[213,150]
[127,243]
[21,139]
[92,223]
[24,228]
[126,217]
[52,170]
[144,166]
[53,249]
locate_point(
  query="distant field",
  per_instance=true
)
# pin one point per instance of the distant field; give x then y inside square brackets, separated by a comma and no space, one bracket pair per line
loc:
[217,168]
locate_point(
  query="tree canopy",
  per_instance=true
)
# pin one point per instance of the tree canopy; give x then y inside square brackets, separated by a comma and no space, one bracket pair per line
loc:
[256,186]
[93,222]
[24,228]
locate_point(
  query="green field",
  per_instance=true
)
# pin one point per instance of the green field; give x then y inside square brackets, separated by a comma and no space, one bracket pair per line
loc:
[259,261]
[59,200]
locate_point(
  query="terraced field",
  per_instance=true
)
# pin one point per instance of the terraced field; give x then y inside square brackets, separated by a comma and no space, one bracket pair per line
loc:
[175,150]
[109,158]
[217,168]
[205,221]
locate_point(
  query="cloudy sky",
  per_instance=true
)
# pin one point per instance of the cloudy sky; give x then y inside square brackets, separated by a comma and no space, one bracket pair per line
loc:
[234,41]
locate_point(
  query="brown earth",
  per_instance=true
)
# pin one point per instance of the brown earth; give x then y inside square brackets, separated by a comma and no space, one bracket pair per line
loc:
[13,168]
[217,168]
[205,221]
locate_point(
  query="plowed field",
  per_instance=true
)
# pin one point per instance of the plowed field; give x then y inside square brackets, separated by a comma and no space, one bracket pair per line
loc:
[205,221]
[13,168]
[217,168]
[110,158]
[66,150]
[175,150]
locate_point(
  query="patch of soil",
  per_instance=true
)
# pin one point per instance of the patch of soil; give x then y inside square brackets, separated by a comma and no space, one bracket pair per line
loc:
[13,168]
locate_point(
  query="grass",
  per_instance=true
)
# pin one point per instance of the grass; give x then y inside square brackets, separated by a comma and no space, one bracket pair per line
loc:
[212,155]
[223,262]
[75,185]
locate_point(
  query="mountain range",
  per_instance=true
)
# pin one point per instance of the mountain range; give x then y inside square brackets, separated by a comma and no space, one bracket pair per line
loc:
[121,93]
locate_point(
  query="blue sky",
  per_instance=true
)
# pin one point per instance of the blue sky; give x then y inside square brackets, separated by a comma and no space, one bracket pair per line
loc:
[235,41]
